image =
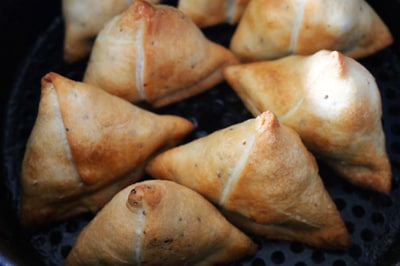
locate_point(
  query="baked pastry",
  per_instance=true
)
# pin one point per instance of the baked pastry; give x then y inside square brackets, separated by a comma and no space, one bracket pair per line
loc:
[159,223]
[156,54]
[332,101]
[262,177]
[207,13]
[271,29]
[83,19]
[85,146]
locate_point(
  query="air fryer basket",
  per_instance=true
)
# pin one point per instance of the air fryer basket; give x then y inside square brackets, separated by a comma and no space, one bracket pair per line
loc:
[373,219]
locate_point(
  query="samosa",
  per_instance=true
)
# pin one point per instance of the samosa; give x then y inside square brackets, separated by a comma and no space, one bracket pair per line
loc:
[262,177]
[155,54]
[159,223]
[85,146]
[83,20]
[271,29]
[332,101]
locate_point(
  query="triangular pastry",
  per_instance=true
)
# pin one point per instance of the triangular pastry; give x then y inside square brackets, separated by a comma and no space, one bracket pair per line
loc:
[156,54]
[83,19]
[85,146]
[332,101]
[208,13]
[271,29]
[262,177]
[159,223]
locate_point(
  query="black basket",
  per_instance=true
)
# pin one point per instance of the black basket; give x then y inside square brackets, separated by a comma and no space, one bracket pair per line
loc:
[373,219]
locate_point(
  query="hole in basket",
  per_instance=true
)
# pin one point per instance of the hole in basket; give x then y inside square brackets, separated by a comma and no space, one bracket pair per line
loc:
[358,211]
[390,93]
[258,262]
[56,237]
[367,235]
[355,251]
[377,218]
[395,129]
[278,257]
[395,147]
[300,264]
[318,257]
[394,110]
[339,263]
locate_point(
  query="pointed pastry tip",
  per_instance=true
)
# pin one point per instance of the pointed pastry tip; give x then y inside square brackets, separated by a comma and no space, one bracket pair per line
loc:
[48,78]
[231,71]
[143,193]
[267,120]
[181,127]
[52,79]
[135,197]
[338,62]
[141,5]
[380,181]
[342,241]
[140,9]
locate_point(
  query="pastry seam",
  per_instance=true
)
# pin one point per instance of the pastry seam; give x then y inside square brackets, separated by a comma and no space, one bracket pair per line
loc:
[139,237]
[292,110]
[140,62]
[233,178]
[296,25]
[230,10]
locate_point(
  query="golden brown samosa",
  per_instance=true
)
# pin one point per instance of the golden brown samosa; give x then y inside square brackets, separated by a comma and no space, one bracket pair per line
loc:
[85,146]
[271,29]
[155,53]
[159,223]
[208,13]
[83,19]
[332,101]
[263,178]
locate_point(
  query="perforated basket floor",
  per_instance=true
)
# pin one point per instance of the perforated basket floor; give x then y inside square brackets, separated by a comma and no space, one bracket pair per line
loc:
[372,219]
